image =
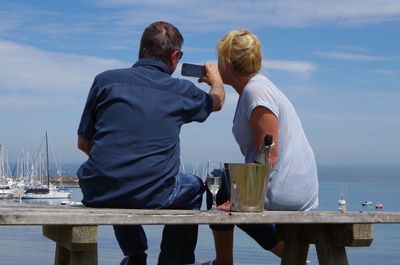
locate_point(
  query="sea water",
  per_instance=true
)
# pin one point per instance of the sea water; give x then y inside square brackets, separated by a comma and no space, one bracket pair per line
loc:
[25,245]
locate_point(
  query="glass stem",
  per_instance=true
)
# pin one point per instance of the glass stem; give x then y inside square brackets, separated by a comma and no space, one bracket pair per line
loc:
[214,202]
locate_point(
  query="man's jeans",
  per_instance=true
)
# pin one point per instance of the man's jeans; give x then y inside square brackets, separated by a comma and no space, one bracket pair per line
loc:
[178,241]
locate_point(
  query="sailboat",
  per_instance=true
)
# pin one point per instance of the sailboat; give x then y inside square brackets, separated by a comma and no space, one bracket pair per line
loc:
[34,189]
[342,202]
[6,181]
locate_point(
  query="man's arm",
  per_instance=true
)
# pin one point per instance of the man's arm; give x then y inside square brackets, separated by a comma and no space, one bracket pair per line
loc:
[218,94]
[84,144]
[213,79]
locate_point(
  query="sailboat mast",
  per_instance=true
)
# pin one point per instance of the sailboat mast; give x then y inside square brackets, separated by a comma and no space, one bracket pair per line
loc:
[47,162]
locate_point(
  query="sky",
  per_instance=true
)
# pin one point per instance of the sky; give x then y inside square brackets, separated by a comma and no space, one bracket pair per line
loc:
[337,61]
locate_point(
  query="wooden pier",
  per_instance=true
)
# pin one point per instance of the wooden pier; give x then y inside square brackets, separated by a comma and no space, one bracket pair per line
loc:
[74,228]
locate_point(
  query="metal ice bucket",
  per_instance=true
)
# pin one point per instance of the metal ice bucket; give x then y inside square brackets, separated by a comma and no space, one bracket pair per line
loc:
[248,186]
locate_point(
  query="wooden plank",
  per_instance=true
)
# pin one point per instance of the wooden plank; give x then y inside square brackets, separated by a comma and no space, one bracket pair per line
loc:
[75,245]
[70,215]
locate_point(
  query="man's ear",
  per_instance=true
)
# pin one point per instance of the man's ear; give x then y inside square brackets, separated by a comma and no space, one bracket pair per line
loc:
[173,61]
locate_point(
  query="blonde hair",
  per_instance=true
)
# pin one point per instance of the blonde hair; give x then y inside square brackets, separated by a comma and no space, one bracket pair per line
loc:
[242,50]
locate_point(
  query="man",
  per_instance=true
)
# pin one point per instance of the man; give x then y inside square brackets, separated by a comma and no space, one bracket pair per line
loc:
[130,129]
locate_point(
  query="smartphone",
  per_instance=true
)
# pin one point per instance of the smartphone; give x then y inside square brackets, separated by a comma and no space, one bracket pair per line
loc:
[194,70]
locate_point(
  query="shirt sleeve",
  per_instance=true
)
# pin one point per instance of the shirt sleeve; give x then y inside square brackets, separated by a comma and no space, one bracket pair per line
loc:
[259,95]
[88,119]
[197,105]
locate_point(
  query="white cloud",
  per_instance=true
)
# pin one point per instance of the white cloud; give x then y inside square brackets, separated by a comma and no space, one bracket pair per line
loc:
[298,67]
[344,56]
[41,77]
[384,98]
[386,72]
[192,16]
[211,15]
[353,119]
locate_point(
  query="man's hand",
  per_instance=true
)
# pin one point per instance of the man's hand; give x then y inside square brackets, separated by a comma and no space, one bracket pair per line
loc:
[212,76]
[84,145]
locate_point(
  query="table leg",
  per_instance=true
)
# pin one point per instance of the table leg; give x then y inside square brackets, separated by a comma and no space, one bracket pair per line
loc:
[76,245]
[296,245]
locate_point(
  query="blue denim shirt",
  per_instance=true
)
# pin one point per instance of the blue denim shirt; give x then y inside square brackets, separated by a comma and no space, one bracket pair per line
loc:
[133,119]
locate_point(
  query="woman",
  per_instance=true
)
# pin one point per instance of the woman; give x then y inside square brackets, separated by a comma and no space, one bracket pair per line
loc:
[263,109]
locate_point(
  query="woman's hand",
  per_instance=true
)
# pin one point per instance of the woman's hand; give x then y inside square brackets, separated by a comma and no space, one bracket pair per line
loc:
[226,206]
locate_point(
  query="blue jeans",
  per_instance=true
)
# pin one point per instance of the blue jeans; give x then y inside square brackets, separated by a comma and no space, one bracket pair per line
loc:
[263,234]
[178,241]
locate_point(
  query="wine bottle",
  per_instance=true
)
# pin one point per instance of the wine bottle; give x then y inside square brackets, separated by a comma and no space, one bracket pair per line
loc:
[265,149]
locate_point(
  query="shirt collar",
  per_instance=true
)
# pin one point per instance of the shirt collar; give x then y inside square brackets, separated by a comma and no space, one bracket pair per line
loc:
[160,65]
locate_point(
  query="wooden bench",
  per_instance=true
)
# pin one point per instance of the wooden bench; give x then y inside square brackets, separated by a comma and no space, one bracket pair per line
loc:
[74,228]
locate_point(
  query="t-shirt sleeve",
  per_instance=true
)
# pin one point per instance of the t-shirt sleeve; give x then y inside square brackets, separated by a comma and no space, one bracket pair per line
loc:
[88,119]
[258,95]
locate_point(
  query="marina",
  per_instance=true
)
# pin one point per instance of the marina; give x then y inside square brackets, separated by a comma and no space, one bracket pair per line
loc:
[32,176]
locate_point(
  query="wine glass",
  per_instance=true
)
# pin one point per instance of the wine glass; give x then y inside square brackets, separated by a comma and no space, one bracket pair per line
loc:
[214,177]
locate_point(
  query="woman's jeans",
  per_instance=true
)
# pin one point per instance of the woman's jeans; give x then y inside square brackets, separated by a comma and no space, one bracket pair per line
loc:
[178,241]
[263,234]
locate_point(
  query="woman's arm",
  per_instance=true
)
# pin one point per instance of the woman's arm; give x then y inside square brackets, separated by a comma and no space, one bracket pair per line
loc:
[263,122]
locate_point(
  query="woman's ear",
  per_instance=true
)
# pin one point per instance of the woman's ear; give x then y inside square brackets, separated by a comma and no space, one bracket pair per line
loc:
[227,65]
[223,65]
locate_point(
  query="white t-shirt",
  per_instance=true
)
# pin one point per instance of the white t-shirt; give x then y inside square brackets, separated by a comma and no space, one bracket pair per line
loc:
[293,182]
